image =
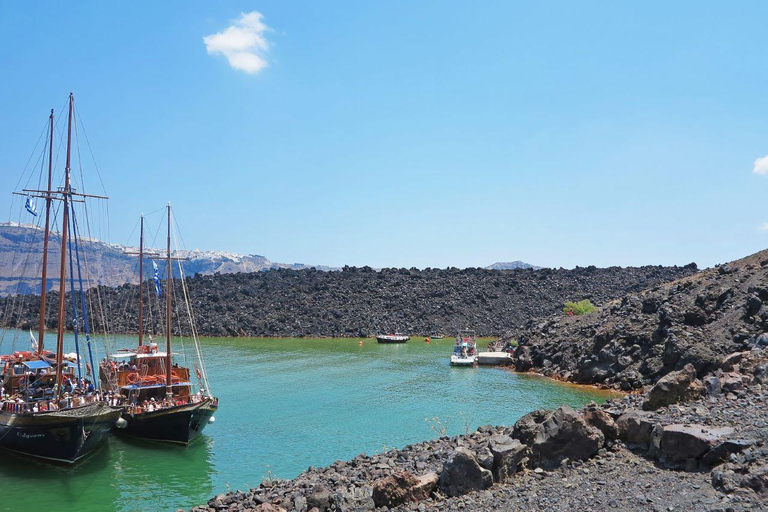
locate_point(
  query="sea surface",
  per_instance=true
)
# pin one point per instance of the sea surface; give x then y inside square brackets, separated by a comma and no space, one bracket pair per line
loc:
[285,405]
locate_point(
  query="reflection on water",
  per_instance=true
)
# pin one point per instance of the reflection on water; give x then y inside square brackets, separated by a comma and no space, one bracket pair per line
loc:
[285,405]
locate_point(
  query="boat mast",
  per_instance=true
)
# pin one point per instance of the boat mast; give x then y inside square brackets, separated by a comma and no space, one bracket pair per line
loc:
[44,286]
[141,279]
[168,366]
[63,268]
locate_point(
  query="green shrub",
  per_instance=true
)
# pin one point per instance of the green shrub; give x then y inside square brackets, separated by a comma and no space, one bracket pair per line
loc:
[583,307]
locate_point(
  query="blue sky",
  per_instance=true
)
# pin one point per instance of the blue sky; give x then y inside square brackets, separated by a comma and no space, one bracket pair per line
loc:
[404,133]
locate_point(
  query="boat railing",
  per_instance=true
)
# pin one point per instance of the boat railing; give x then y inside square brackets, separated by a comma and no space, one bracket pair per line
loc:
[16,405]
[157,405]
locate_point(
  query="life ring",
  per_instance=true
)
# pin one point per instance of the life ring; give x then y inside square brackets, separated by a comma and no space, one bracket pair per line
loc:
[174,374]
[131,378]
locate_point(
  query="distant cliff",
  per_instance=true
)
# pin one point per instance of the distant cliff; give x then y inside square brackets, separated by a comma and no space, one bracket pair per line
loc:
[21,248]
[511,265]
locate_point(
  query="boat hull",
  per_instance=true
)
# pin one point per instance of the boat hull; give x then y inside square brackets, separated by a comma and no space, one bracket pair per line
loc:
[64,436]
[463,361]
[179,424]
[392,339]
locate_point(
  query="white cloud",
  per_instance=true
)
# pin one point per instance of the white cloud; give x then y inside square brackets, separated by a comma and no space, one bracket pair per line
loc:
[764,227]
[761,165]
[242,43]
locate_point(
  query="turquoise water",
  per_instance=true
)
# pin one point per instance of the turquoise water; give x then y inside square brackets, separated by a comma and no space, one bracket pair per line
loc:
[287,405]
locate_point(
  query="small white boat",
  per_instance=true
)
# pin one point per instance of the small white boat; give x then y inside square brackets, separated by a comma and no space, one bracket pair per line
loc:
[397,337]
[465,350]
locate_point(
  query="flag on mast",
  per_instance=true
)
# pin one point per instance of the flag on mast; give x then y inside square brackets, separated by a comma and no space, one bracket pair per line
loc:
[31,206]
[156,279]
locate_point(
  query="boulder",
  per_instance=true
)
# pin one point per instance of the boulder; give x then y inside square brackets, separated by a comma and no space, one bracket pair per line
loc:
[402,487]
[462,474]
[712,385]
[671,389]
[722,452]
[558,435]
[731,361]
[507,455]
[732,381]
[729,477]
[529,425]
[268,507]
[601,420]
[484,457]
[320,498]
[680,443]
[761,374]
[635,427]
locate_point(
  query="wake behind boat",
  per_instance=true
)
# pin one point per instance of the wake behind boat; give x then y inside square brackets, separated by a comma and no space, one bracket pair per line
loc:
[393,338]
[49,409]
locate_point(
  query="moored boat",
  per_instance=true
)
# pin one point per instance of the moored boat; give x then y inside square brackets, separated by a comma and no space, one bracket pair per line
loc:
[393,338]
[159,393]
[465,349]
[48,409]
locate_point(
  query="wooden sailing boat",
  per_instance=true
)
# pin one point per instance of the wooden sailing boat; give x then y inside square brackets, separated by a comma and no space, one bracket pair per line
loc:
[159,393]
[41,413]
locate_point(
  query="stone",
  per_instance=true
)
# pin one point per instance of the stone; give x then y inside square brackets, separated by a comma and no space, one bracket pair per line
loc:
[268,507]
[462,474]
[654,445]
[320,498]
[732,381]
[680,443]
[527,427]
[507,455]
[721,452]
[484,457]
[712,385]
[402,487]
[601,420]
[670,389]
[731,361]
[635,427]
[761,374]
[558,435]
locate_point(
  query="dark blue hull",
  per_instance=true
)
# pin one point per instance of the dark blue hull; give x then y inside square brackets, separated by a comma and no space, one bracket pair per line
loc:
[179,424]
[64,436]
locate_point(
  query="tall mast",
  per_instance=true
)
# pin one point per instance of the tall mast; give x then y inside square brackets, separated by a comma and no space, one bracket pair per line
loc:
[141,279]
[168,366]
[64,233]
[41,331]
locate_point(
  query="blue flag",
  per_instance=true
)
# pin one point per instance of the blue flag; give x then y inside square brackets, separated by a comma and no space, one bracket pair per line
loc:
[31,206]
[156,278]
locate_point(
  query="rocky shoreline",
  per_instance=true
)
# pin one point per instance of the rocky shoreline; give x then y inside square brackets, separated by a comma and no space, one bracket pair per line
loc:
[685,444]
[692,435]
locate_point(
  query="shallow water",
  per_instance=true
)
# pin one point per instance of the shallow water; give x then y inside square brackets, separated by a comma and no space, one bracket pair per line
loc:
[286,404]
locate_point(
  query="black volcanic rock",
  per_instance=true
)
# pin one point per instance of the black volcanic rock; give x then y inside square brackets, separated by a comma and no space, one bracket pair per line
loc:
[364,302]
[635,340]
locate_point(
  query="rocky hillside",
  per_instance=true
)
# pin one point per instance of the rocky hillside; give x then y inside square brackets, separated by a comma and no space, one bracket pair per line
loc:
[363,302]
[21,249]
[634,340]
